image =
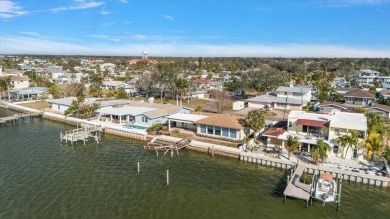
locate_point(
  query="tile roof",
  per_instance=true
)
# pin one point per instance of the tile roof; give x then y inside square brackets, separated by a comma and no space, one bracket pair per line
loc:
[360,93]
[314,123]
[275,132]
[224,120]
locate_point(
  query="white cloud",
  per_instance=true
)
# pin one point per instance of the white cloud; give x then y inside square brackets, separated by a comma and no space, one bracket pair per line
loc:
[105,12]
[33,45]
[99,36]
[9,9]
[79,4]
[169,18]
[123,1]
[29,33]
[127,22]
[349,3]
[108,24]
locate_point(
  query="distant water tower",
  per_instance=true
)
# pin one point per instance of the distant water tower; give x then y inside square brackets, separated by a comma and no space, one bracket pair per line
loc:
[145,53]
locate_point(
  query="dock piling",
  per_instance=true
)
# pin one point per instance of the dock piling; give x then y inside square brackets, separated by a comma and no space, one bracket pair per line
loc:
[138,167]
[167,177]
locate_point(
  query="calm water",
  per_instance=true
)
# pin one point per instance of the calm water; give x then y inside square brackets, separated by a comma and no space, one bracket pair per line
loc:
[42,178]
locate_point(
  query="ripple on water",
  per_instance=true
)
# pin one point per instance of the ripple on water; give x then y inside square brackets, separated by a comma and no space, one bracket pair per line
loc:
[42,178]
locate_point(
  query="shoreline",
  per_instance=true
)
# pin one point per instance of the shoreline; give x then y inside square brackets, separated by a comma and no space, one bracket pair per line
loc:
[209,148]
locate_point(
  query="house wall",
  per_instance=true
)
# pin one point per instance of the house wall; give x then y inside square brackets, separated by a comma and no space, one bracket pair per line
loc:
[359,101]
[20,84]
[256,104]
[335,133]
[292,126]
[306,96]
[240,134]
[58,107]
[189,126]
[385,114]
[288,106]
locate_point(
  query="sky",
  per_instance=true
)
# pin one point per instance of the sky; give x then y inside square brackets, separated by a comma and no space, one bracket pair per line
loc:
[207,28]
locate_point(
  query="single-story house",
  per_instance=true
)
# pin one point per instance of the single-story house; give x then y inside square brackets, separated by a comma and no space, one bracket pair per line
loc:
[359,97]
[185,121]
[28,92]
[384,110]
[63,104]
[325,106]
[222,126]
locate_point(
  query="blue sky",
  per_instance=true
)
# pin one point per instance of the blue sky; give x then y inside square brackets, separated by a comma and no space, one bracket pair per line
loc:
[268,28]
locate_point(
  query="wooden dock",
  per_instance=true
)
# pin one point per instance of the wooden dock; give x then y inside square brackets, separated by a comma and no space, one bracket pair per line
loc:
[183,143]
[19,118]
[82,134]
[295,188]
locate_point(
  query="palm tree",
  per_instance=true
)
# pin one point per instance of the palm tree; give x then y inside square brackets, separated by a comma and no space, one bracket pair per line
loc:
[374,145]
[291,144]
[6,85]
[348,141]
[342,141]
[319,151]
[255,120]
[53,90]
[181,86]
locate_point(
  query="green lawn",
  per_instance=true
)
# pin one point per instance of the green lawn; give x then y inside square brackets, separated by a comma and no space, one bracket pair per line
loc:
[36,105]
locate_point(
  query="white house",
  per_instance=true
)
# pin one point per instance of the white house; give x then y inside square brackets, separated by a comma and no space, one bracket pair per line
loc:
[107,66]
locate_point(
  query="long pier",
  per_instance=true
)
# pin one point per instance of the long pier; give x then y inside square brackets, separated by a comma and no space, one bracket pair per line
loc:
[19,118]
[297,189]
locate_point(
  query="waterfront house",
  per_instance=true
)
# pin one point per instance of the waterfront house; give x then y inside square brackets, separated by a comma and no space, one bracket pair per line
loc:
[62,104]
[28,92]
[184,121]
[222,126]
[311,127]
[18,82]
[140,115]
[359,98]
[343,123]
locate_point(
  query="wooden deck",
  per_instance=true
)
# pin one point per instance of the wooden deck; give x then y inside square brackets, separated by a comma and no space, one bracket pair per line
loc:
[19,118]
[297,189]
[81,134]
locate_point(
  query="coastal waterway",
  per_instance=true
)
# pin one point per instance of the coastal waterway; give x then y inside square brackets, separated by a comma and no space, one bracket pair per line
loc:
[42,178]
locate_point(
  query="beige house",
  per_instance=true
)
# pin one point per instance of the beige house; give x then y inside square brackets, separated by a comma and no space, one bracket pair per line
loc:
[359,97]
[222,126]
[311,127]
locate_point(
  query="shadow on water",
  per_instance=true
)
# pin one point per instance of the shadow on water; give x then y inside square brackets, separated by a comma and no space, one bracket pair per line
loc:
[281,185]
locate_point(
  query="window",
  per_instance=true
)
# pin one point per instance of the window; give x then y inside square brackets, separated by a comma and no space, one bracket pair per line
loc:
[280,104]
[203,129]
[351,99]
[360,134]
[210,130]
[355,153]
[289,124]
[218,131]
[233,133]
[144,119]
[225,132]
[336,149]
[305,129]
[296,94]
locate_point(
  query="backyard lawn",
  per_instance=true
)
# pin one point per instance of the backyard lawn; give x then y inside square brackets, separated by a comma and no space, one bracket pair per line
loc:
[36,105]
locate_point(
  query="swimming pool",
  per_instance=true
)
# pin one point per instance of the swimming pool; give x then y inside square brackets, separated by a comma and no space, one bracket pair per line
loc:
[143,128]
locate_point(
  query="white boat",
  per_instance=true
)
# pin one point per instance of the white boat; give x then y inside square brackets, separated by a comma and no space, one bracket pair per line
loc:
[325,188]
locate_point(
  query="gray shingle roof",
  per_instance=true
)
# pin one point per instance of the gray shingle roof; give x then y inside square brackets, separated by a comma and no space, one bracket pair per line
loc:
[272,99]
[293,89]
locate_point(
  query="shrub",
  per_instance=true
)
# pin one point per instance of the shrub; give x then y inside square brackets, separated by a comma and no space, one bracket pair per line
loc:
[155,127]
[198,108]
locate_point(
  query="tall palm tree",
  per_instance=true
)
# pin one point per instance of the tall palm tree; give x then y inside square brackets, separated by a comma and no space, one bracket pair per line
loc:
[7,86]
[2,87]
[374,145]
[291,144]
[319,151]
[255,120]
[181,86]
[348,141]
[343,141]
[54,90]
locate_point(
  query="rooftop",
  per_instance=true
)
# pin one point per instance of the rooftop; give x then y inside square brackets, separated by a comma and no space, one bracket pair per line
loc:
[308,116]
[224,120]
[126,110]
[273,99]
[186,117]
[354,121]
[359,93]
[293,89]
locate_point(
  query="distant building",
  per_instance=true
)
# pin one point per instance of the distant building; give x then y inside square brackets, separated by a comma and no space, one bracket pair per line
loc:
[359,97]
